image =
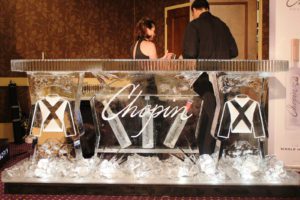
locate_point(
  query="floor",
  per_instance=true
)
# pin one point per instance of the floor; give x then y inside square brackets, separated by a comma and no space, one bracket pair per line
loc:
[19,152]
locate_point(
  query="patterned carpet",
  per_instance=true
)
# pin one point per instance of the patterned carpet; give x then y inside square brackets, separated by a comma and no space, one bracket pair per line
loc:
[19,152]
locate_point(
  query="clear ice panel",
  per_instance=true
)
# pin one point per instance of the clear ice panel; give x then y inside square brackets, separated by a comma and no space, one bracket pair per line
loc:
[242,122]
[154,123]
[55,118]
[168,93]
[63,84]
[163,94]
[147,106]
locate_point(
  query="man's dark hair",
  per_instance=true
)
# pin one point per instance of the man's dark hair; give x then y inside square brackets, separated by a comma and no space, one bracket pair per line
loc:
[199,4]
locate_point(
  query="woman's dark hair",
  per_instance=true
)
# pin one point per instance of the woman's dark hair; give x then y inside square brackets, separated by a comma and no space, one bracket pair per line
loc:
[141,26]
[199,4]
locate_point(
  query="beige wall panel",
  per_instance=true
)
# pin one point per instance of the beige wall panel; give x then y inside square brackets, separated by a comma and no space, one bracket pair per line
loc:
[240,16]
[237,23]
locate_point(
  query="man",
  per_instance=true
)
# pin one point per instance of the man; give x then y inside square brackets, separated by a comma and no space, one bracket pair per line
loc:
[207,37]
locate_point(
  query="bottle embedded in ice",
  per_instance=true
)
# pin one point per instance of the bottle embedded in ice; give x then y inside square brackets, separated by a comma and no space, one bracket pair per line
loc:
[117,127]
[177,126]
[293,88]
[147,124]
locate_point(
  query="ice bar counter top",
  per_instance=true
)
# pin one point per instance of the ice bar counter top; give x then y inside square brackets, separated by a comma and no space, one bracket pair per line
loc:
[185,127]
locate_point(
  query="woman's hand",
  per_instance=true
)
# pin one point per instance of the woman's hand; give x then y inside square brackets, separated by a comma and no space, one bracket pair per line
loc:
[169,56]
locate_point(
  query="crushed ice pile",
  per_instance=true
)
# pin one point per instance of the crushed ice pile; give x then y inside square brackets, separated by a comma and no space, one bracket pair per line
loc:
[245,165]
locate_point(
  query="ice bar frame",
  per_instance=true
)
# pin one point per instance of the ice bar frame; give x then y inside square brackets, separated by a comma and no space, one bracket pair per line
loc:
[80,67]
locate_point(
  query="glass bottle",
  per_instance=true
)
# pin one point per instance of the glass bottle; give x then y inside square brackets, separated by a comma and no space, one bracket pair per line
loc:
[147,123]
[177,126]
[118,128]
[293,88]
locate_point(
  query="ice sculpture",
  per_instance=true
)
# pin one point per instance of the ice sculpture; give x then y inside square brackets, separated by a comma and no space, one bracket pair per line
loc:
[242,115]
[56,115]
[53,126]
[147,121]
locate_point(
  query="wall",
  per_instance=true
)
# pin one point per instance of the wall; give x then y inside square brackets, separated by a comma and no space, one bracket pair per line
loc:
[7,35]
[65,29]
[265,29]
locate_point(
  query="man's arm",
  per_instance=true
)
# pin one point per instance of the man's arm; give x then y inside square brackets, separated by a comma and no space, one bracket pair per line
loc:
[190,42]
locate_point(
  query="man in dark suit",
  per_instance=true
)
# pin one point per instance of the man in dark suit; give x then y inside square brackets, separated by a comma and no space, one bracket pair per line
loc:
[207,37]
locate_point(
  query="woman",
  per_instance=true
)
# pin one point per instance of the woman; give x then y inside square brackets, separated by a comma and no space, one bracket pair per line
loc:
[144,47]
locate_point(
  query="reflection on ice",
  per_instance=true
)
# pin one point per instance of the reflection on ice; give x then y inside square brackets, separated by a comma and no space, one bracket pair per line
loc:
[241,168]
[207,164]
[233,82]
[109,169]
[274,169]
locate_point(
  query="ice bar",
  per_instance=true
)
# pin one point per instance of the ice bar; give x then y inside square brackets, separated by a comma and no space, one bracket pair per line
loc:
[151,118]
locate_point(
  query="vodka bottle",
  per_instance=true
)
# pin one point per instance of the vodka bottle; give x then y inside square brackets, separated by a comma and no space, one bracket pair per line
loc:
[293,88]
[118,128]
[147,124]
[177,126]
